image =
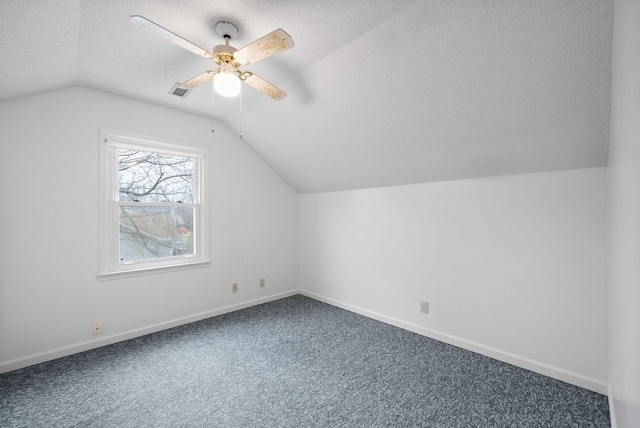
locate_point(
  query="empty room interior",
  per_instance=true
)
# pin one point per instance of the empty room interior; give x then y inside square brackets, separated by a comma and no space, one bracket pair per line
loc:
[465,173]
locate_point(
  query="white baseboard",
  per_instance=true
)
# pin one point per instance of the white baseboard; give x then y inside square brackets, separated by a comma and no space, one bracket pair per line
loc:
[507,357]
[41,357]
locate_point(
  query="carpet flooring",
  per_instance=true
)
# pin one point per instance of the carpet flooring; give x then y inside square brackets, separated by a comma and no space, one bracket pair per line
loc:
[294,362]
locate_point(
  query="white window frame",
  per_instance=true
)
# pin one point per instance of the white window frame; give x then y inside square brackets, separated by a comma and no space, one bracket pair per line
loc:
[110,264]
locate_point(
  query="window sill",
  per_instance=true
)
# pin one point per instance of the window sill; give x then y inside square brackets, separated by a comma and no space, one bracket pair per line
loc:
[151,270]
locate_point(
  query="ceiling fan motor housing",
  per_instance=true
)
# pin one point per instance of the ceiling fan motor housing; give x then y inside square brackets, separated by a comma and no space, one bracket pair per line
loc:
[223,56]
[224,49]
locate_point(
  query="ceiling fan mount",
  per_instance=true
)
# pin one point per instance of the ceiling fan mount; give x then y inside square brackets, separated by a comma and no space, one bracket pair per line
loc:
[228,58]
[226,29]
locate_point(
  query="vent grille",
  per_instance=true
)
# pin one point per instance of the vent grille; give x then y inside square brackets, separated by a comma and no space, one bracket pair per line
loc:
[180,92]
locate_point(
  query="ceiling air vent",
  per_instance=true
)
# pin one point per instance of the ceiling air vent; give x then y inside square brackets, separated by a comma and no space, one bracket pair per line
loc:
[181,92]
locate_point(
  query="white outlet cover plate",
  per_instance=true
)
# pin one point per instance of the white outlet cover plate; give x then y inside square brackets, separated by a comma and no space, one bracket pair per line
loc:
[424,307]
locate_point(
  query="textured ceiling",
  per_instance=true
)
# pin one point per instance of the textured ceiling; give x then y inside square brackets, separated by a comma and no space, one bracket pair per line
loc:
[380,93]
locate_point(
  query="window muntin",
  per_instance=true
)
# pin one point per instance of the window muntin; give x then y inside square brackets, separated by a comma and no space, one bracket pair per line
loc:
[152,210]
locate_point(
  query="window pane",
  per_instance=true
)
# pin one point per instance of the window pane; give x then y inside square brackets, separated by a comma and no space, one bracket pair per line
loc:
[154,177]
[153,232]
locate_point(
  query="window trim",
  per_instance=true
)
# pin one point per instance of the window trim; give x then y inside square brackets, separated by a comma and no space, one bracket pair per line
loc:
[109,266]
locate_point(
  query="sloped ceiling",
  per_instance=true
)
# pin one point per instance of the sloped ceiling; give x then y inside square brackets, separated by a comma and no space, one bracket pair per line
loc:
[380,93]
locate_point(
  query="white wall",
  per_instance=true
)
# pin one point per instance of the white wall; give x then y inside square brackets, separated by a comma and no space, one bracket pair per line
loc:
[624,217]
[513,267]
[49,294]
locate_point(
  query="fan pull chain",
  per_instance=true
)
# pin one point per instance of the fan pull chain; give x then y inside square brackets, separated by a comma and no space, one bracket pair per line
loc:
[213,99]
[241,112]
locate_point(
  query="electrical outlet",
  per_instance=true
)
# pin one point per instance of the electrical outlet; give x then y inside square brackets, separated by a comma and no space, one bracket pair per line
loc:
[424,307]
[97,328]
[234,287]
[261,282]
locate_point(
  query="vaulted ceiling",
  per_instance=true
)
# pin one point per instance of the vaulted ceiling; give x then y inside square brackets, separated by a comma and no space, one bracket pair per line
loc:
[380,93]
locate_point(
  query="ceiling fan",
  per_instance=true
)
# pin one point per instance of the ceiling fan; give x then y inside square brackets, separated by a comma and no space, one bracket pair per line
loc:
[227,77]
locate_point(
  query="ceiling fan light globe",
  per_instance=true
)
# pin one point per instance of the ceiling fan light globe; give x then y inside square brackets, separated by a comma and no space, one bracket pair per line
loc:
[226,84]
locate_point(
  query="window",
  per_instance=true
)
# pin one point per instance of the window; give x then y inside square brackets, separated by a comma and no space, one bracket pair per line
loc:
[152,212]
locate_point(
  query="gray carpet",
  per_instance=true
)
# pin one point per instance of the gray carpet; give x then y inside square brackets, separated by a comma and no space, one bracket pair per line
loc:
[294,362]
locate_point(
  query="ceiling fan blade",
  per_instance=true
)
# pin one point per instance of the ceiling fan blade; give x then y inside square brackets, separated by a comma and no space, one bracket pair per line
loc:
[198,80]
[143,22]
[265,87]
[271,44]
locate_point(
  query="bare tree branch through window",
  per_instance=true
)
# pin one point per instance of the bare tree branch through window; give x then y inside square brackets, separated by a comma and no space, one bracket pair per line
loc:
[151,187]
